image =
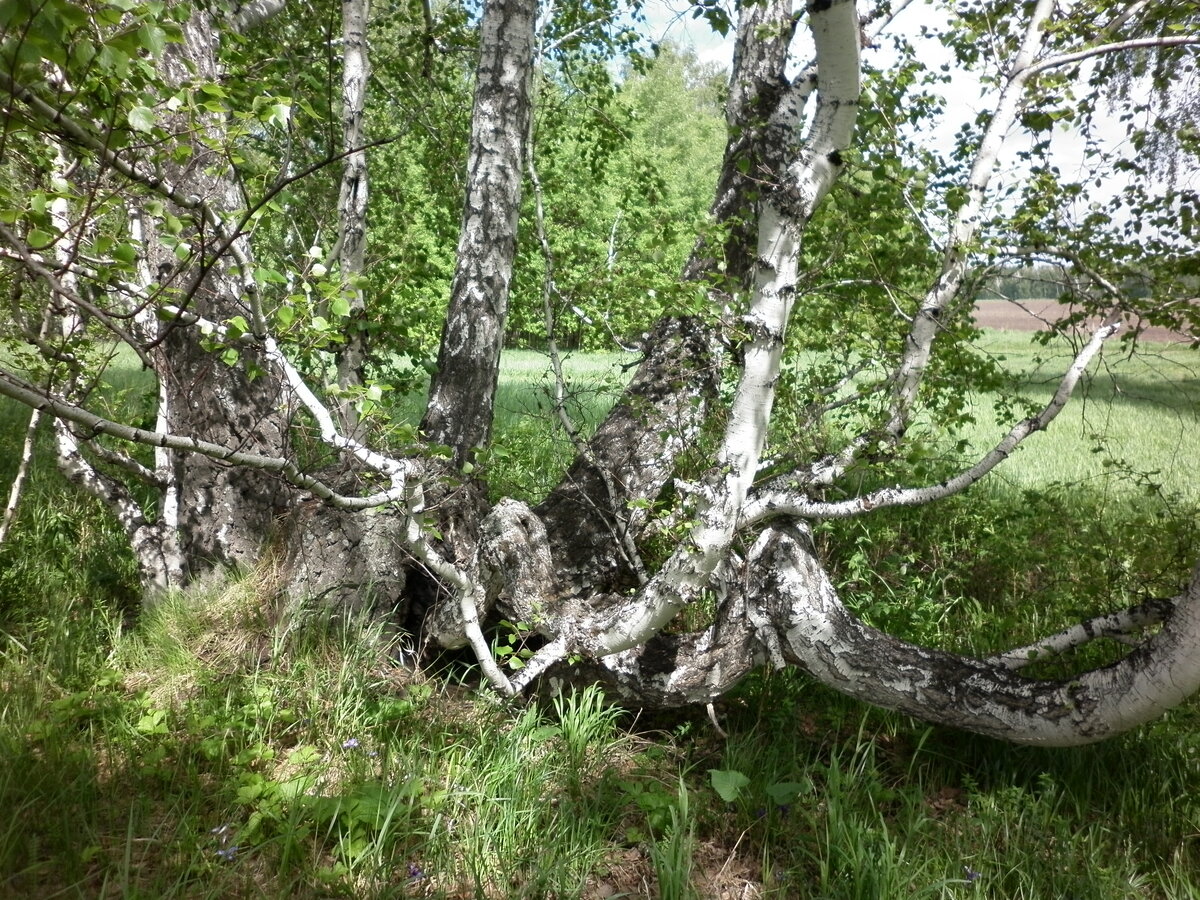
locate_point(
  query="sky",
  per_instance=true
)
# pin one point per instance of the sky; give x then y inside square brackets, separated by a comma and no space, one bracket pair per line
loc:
[965,96]
[672,20]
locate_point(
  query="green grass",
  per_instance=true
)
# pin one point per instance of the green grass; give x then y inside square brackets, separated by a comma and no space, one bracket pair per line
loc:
[530,451]
[138,753]
[1136,417]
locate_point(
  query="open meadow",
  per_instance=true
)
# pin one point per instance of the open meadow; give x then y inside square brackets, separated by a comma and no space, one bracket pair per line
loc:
[226,744]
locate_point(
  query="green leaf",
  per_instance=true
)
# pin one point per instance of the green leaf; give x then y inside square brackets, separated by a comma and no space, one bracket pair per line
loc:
[787,791]
[728,783]
[277,114]
[152,38]
[269,276]
[141,118]
[340,307]
[153,722]
[40,240]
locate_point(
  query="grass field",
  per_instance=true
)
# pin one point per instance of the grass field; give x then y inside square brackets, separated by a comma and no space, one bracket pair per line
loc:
[171,757]
[1139,414]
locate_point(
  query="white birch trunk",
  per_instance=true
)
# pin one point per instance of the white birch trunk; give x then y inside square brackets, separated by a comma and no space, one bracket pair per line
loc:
[18,485]
[786,210]
[352,200]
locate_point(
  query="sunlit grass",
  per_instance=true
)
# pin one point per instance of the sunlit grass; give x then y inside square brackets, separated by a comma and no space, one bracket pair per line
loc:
[1133,422]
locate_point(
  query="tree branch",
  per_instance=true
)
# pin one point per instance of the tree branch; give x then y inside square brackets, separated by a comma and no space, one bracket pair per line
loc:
[955,255]
[1065,59]
[1118,626]
[785,503]
[22,391]
[29,260]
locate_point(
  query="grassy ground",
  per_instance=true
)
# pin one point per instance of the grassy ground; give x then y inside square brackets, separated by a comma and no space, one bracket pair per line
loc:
[1138,414]
[212,748]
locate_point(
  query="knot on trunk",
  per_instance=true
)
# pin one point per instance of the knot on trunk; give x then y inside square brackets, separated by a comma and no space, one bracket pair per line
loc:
[515,567]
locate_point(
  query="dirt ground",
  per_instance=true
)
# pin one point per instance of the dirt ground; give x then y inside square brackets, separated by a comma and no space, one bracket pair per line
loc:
[1032,315]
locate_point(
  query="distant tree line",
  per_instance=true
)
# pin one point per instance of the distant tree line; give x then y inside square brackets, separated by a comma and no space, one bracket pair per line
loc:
[1043,281]
[1047,281]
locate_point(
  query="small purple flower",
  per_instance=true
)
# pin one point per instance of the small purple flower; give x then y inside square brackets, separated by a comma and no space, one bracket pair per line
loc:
[415,872]
[760,813]
[228,853]
[785,810]
[349,743]
[972,875]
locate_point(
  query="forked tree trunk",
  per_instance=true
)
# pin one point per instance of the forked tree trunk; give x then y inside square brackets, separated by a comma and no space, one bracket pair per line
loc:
[568,567]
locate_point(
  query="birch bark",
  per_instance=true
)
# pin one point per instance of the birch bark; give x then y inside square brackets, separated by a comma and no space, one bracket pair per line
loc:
[352,200]
[462,393]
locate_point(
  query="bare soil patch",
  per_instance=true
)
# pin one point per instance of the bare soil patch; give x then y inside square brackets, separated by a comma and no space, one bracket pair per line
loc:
[1035,315]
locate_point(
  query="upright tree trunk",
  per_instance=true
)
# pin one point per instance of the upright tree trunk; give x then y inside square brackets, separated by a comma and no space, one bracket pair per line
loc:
[352,199]
[462,393]
[225,514]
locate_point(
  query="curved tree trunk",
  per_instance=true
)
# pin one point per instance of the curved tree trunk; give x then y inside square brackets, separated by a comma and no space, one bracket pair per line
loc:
[985,696]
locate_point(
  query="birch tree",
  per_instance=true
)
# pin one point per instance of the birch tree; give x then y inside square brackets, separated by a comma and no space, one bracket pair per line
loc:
[158,254]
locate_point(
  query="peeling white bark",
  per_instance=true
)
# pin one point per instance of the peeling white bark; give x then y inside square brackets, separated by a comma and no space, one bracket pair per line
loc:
[352,198]
[719,502]
[977,695]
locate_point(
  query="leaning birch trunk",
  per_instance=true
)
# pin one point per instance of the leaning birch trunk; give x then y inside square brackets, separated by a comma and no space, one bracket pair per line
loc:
[17,488]
[151,537]
[812,165]
[955,263]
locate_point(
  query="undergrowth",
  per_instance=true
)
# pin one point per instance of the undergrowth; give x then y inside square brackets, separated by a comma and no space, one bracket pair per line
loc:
[224,745]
